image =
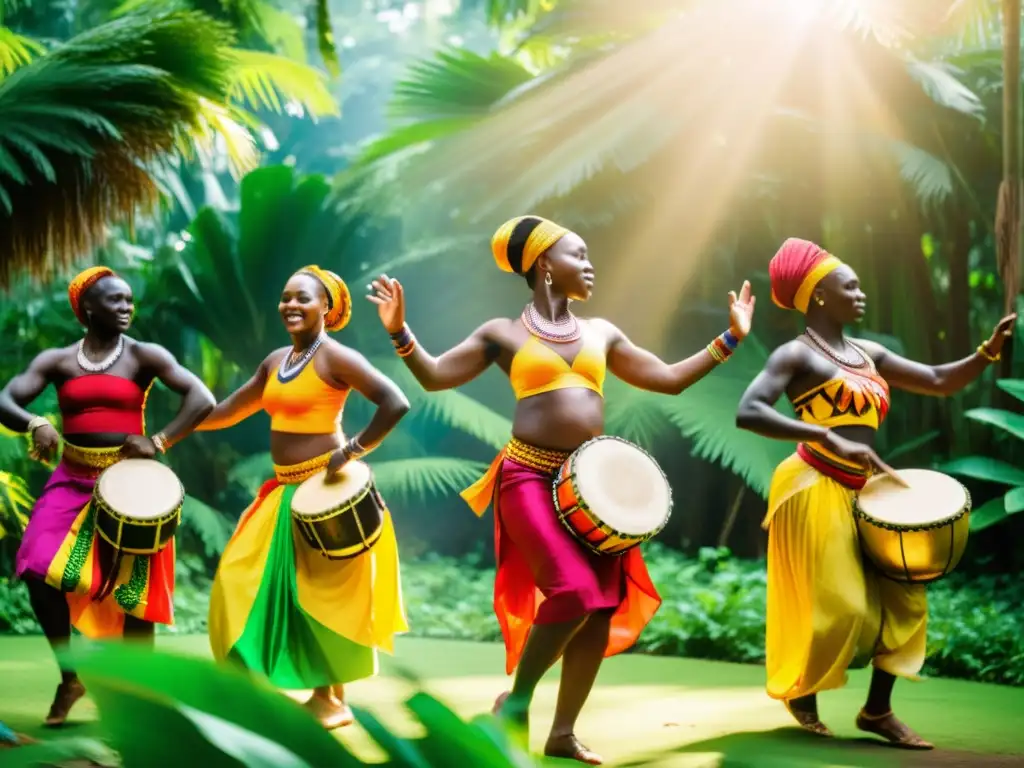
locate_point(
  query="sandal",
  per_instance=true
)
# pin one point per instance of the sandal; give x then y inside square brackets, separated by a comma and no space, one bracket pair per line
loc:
[330,712]
[809,721]
[892,729]
[67,694]
[568,747]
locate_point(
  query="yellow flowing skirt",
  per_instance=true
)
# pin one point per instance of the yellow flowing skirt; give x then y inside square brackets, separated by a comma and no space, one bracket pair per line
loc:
[279,607]
[829,610]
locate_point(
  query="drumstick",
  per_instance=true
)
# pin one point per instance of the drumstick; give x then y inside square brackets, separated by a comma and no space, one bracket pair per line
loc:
[892,473]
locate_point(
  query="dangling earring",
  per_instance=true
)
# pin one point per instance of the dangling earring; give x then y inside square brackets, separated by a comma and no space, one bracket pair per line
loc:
[821,302]
[547,278]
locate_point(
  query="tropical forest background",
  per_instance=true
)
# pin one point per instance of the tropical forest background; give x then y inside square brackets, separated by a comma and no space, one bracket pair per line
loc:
[683,139]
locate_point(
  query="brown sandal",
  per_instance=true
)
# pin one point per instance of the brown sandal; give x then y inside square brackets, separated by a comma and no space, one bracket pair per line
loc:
[892,729]
[809,721]
[568,747]
[67,694]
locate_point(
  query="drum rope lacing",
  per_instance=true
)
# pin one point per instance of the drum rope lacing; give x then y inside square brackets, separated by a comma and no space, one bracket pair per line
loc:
[88,365]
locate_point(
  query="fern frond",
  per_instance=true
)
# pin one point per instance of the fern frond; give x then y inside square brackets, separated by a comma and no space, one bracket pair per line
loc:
[261,80]
[212,527]
[252,471]
[421,478]
[16,50]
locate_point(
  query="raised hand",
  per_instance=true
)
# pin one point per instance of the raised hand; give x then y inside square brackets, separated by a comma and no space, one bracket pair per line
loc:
[387,294]
[1002,331]
[741,311]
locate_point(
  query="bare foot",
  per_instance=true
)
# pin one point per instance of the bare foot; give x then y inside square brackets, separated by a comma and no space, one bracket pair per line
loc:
[892,729]
[67,694]
[568,747]
[808,719]
[330,712]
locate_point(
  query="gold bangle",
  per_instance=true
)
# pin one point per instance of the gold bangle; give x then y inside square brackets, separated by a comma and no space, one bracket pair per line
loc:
[983,351]
[716,355]
[35,423]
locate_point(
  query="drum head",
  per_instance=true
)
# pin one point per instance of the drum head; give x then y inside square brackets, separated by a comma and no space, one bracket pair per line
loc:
[623,486]
[141,489]
[318,494]
[931,498]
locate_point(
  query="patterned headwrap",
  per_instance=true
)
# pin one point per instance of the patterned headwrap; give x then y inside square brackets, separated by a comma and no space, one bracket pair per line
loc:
[81,283]
[339,300]
[519,242]
[796,269]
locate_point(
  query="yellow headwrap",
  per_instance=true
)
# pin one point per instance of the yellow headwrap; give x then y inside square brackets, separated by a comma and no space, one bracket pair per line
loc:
[81,283]
[339,300]
[519,242]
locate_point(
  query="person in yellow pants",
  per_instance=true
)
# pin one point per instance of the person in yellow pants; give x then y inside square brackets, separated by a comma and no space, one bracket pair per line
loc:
[828,610]
[277,606]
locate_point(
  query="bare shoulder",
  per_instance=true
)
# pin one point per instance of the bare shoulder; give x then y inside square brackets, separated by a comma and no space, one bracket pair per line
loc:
[791,356]
[875,350]
[608,330]
[497,328]
[336,352]
[274,358]
[149,354]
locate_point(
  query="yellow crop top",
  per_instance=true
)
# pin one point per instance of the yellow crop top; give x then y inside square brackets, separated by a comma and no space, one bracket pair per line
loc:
[305,405]
[853,397]
[537,368]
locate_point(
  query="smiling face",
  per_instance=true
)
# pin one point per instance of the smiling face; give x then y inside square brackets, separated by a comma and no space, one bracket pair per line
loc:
[303,304]
[840,290]
[571,272]
[109,305]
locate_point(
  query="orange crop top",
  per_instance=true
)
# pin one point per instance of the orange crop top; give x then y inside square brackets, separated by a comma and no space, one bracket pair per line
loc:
[305,405]
[537,368]
[853,397]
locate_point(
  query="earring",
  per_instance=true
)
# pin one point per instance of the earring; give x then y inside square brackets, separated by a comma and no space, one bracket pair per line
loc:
[821,302]
[547,278]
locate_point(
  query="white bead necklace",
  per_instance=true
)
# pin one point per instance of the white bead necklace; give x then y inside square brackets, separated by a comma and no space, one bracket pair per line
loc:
[289,369]
[88,365]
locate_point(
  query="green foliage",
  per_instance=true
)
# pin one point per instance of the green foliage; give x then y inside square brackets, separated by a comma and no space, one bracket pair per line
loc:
[992,470]
[155,707]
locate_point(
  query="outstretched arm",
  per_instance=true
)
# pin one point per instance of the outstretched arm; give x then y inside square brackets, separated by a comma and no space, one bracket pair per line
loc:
[240,404]
[940,380]
[459,365]
[349,368]
[196,400]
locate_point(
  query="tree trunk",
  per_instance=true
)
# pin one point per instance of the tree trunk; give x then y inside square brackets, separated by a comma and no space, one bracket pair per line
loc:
[1008,208]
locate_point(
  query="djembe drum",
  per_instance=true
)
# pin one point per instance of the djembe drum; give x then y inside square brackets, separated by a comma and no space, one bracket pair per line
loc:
[341,517]
[137,503]
[916,534]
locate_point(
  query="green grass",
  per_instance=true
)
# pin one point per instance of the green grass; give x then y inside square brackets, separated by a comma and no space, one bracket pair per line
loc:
[644,711]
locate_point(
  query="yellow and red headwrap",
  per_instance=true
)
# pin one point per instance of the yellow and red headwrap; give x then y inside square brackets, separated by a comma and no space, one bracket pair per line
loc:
[519,242]
[81,283]
[796,269]
[339,300]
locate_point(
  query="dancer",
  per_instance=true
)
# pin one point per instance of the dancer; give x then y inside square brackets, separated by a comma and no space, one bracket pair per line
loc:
[278,607]
[826,606]
[593,606]
[102,383]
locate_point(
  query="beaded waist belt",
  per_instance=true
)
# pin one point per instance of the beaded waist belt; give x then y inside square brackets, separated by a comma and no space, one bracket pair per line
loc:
[541,459]
[95,459]
[291,474]
[853,476]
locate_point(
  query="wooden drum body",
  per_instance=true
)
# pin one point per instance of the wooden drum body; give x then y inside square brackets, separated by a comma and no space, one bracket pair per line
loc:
[342,517]
[612,495]
[137,503]
[916,534]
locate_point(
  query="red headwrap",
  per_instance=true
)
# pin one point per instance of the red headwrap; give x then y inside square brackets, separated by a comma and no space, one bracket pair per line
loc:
[795,270]
[81,283]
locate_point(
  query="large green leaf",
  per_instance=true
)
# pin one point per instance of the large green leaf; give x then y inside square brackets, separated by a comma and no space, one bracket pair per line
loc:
[997,510]
[1012,423]
[1013,387]
[984,468]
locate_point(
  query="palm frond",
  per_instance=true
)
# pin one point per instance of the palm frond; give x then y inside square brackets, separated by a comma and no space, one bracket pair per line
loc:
[940,80]
[325,38]
[15,503]
[252,471]
[929,176]
[262,80]
[16,50]
[80,126]
[420,478]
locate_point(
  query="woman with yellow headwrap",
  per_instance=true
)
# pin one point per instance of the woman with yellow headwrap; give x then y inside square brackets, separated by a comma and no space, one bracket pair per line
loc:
[278,607]
[102,383]
[827,608]
[554,598]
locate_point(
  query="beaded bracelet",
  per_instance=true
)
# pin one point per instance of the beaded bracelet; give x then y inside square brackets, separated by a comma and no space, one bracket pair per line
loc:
[983,351]
[35,423]
[403,341]
[720,347]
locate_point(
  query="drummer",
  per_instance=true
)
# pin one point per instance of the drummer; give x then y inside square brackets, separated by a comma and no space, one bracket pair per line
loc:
[593,606]
[102,382]
[277,606]
[826,609]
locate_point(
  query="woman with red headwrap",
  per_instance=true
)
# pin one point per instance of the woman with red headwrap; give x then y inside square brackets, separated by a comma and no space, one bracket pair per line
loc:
[553,598]
[827,609]
[101,383]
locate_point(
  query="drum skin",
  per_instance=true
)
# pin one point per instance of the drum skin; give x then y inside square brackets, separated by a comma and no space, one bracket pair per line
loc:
[585,523]
[115,522]
[351,523]
[916,553]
